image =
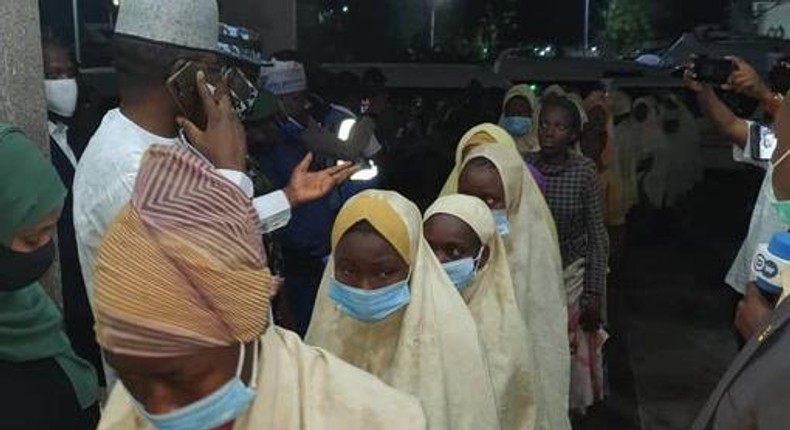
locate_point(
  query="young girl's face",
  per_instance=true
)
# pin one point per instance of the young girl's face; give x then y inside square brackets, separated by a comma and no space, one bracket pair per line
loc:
[365,260]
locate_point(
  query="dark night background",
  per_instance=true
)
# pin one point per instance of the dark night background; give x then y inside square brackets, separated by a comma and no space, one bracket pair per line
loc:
[562,20]
[382,29]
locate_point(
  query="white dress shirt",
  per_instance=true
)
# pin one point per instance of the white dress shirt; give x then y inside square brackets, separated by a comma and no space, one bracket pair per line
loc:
[105,179]
[59,133]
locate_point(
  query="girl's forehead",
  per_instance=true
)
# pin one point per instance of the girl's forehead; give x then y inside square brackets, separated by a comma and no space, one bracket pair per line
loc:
[556,112]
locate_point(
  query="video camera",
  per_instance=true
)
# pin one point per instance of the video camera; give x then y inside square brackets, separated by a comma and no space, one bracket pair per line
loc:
[714,71]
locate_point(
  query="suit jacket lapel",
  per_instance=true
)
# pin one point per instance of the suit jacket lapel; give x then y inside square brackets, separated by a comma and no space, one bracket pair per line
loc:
[776,320]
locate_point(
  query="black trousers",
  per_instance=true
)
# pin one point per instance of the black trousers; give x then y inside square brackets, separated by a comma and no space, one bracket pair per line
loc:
[37,395]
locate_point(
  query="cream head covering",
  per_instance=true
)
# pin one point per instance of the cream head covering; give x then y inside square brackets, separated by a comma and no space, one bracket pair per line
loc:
[283,77]
[478,135]
[536,269]
[189,24]
[555,89]
[608,153]
[576,100]
[430,348]
[182,267]
[651,142]
[621,103]
[626,149]
[528,143]
[492,301]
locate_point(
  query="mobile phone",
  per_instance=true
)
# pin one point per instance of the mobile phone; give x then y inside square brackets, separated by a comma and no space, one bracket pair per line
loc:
[715,71]
[182,85]
[242,92]
[762,142]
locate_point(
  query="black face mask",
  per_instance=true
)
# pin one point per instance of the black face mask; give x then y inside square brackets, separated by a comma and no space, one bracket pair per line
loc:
[20,269]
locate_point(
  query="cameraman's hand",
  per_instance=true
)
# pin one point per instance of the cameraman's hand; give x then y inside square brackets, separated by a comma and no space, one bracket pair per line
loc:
[752,311]
[223,142]
[781,176]
[746,81]
[690,78]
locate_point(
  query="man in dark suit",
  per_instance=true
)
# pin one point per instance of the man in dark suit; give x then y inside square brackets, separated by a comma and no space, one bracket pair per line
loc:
[755,391]
[66,146]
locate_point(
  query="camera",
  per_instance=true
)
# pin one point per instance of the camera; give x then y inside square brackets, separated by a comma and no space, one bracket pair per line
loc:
[714,71]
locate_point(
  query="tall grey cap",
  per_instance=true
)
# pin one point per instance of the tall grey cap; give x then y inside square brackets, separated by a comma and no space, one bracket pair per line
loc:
[186,23]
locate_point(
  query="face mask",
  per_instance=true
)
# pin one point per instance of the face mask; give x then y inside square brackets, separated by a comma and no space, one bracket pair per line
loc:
[517,125]
[221,407]
[369,305]
[502,224]
[61,96]
[462,272]
[782,207]
[20,269]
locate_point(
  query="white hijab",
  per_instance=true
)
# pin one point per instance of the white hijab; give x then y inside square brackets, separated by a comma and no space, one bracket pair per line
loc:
[535,263]
[492,301]
[430,348]
[652,142]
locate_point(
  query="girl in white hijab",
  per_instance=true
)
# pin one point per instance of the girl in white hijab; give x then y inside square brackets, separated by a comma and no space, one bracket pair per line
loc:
[626,148]
[519,117]
[386,306]
[527,228]
[461,231]
[650,141]
[683,138]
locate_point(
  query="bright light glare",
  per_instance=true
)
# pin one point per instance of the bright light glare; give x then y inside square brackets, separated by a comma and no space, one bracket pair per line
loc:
[366,174]
[116,3]
[345,9]
[345,129]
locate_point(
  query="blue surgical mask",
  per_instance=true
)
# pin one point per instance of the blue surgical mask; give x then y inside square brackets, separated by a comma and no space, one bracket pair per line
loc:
[226,404]
[462,272]
[517,126]
[369,305]
[502,224]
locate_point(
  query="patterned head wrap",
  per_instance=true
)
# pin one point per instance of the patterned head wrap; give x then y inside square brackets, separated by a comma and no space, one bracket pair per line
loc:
[182,268]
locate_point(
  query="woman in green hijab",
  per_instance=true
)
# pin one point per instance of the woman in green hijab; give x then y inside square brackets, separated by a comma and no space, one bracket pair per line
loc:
[43,384]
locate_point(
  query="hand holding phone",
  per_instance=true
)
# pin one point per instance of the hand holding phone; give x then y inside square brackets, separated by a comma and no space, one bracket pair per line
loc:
[183,88]
[715,71]
[222,141]
[242,92]
[745,80]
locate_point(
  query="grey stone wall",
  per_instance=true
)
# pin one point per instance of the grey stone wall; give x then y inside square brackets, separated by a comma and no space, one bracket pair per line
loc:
[22,85]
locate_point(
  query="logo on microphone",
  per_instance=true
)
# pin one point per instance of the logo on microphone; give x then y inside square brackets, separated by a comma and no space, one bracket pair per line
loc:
[765,266]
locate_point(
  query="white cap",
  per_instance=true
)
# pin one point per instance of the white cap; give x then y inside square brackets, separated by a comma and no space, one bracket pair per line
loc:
[283,77]
[189,24]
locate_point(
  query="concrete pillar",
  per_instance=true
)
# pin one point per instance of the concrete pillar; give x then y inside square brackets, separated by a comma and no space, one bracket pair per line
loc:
[275,20]
[22,86]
